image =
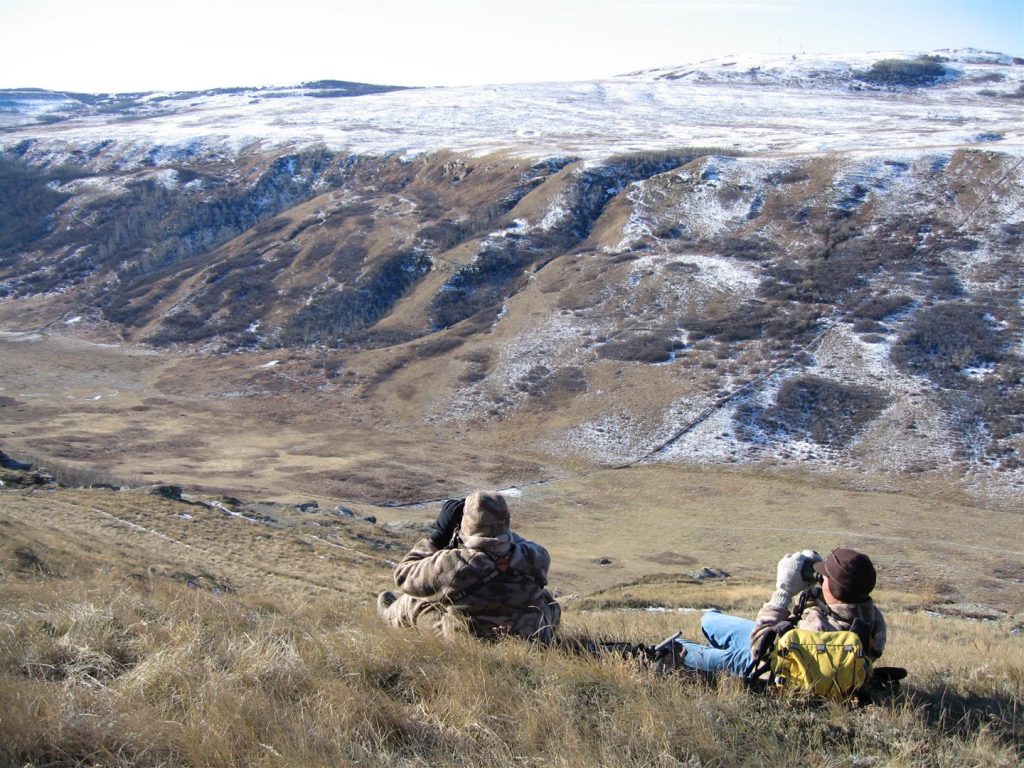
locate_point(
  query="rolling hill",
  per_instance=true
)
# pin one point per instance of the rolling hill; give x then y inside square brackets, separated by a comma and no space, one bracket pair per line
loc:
[797,262]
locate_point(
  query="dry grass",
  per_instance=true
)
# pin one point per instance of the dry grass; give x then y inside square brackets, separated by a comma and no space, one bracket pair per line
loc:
[81,533]
[101,671]
[225,424]
[108,658]
[623,538]
[664,522]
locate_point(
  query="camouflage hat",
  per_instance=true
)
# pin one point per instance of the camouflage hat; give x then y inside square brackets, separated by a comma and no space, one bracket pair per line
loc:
[486,514]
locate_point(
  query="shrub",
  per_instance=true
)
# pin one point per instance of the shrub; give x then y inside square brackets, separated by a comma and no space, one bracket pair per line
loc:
[152,227]
[924,70]
[132,307]
[182,328]
[650,162]
[944,339]
[874,307]
[997,402]
[565,381]
[842,269]
[472,375]
[438,346]
[330,318]
[750,249]
[790,176]
[825,411]
[868,326]
[747,322]
[482,285]
[649,347]
[348,259]
[340,217]
[535,375]
[443,234]
[80,475]
[28,206]
[372,338]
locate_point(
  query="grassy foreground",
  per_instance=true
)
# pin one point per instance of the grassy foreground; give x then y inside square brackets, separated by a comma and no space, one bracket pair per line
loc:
[113,670]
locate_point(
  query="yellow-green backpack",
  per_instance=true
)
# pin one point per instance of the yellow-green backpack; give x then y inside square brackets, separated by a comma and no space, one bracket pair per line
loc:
[831,664]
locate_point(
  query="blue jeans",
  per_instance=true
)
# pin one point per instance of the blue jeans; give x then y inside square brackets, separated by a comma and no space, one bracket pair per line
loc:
[729,649]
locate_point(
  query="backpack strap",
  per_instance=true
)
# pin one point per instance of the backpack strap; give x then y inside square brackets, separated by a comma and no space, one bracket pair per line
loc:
[502,569]
[476,585]
[503,565]
[761,661]
[862,629]
[801,602]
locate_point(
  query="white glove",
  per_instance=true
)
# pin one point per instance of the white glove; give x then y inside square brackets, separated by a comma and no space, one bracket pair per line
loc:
[787,573]
[788,576]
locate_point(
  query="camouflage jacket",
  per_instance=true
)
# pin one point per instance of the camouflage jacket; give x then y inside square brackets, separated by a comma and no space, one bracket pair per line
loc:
[819,617]
[511,602]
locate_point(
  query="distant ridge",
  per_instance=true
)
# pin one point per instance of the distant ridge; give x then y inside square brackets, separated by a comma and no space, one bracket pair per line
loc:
[816,69]
[23,107]
[731,102]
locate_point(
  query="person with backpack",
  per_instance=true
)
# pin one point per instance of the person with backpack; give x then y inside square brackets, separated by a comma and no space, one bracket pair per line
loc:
[832,595]
[473,573]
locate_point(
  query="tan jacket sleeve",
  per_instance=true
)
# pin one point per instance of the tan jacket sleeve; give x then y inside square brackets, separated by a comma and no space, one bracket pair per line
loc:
[769,615]
[531,558]
[427,571]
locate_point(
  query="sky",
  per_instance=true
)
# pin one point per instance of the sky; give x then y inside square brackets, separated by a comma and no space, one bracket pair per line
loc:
[100,46]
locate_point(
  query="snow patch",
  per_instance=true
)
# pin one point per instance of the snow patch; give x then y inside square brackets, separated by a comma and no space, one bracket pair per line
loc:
[979,372]
[722,274]
[554,217]
[560,340]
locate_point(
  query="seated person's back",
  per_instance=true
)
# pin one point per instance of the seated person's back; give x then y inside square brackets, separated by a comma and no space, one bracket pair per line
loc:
[473,572]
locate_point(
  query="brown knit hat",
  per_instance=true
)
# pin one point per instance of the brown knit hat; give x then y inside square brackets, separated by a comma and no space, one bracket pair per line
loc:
[851,575]
[485,514]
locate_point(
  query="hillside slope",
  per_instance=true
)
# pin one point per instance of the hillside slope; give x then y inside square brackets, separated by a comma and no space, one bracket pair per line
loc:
[139,630]
[829,277]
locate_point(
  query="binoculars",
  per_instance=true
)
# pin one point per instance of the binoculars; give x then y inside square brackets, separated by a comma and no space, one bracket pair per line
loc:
[807,572]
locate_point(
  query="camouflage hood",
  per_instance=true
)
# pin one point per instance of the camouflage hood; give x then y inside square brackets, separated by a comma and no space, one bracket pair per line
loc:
[493,545]
[485,515]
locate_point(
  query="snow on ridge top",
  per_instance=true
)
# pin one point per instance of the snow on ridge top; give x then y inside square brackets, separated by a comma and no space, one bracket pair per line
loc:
[792,66]
[809,106]
[977,56]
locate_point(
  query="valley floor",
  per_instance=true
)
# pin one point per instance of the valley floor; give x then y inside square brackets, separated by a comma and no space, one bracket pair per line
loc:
[103,412]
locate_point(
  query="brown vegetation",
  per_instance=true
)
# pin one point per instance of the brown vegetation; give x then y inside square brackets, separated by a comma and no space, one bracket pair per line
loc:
[126,655]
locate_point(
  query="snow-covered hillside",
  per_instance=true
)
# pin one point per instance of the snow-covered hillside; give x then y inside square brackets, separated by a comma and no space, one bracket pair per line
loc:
[751,104]
[791,260]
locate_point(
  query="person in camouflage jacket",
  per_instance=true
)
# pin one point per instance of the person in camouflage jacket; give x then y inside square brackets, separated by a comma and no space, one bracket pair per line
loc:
[472,573]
